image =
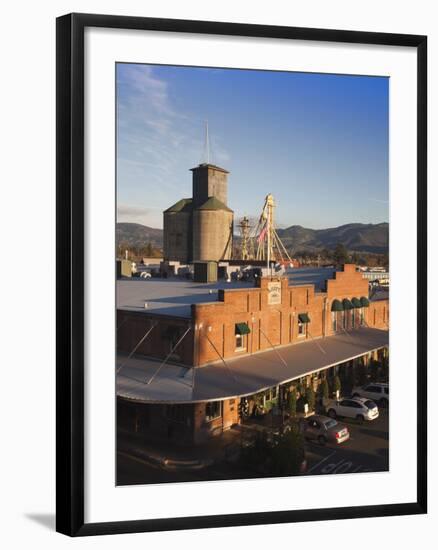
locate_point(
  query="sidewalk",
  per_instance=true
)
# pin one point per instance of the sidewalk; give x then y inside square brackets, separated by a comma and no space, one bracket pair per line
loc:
[170,455]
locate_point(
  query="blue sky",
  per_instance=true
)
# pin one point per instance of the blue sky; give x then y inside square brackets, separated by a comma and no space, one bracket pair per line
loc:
[318,143]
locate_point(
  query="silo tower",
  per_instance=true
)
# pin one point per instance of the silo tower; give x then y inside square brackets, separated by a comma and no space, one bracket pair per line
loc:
[212,219]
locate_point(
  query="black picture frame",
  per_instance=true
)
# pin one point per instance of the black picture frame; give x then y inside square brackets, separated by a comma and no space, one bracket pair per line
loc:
[70,273]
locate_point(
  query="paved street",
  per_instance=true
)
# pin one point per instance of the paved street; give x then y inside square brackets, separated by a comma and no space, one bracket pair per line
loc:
[367,450]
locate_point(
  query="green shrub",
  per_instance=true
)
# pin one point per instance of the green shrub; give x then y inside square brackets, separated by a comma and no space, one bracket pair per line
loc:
[310,398]
[292,402]
[324,389]
[384,371]
[361,377]
[374,370]
[287,455]
[256,455]
[300,403]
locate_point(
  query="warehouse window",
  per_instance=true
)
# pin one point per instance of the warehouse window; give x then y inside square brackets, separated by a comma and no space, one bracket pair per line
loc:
[241,332]
[213,410]
[240,342]
[302,328]
[303,320]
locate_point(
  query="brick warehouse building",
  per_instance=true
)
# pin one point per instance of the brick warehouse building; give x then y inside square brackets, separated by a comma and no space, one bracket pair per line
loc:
[191,353]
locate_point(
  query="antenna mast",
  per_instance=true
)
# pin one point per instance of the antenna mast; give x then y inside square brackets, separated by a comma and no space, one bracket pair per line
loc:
[207,143]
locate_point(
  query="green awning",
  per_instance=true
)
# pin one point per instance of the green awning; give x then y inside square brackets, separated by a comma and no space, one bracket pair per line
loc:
[356,302]
[337,306]
[347,305]
[303,318]
[364,301]
[242,328]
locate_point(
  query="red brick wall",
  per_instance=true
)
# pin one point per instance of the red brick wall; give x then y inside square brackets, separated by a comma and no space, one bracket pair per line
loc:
[213,324]
[204,429]
[277,324]
[378,314]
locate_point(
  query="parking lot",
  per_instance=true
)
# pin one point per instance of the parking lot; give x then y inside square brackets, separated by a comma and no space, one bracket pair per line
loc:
[367,449]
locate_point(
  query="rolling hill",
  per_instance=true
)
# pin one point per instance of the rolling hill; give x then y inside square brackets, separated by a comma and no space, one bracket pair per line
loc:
[135,234]
[356,237]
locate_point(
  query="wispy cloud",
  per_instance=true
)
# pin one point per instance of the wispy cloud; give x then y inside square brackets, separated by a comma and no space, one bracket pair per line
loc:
[153,217]
[379,200]
[155,137]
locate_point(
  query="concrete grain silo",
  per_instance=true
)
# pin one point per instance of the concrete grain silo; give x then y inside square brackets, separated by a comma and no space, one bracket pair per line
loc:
[200,229]
[212,231]
[177,232]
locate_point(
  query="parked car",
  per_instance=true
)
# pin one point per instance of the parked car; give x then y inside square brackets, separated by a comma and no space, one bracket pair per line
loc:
[325,430]
[359,408]
[377,392]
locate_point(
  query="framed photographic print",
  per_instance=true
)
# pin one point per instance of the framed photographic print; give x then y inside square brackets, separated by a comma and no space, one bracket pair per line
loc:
[241,274]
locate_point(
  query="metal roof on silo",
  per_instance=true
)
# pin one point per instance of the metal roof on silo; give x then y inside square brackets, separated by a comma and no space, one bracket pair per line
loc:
[212,203]
[183,205]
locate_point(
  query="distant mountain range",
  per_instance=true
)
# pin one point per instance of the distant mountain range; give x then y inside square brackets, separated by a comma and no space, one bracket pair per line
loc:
[356,237]
[135,234]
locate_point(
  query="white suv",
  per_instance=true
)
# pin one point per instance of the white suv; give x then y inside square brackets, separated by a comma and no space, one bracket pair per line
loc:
[376,392]
[359,408]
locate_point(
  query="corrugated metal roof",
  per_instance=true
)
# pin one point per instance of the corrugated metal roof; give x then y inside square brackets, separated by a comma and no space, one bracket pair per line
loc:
[213,203]
[245,375]
[183,205]
[311,276]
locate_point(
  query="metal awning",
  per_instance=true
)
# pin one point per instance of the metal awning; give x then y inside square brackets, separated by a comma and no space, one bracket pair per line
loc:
[242,376]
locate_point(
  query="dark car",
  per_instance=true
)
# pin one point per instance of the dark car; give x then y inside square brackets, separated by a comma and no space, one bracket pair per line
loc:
[325,430]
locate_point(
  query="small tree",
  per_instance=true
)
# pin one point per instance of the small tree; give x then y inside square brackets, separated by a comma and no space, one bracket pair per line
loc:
[287,455]
[384,372]
[374,370]
[350,378]
[336,385]
[340,254]
[310,398]
[292,402]
[324,389]
[256,455]
[361,373]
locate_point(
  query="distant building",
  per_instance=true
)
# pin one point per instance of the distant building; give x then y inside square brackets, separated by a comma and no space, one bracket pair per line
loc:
[200,228]
[380,276]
